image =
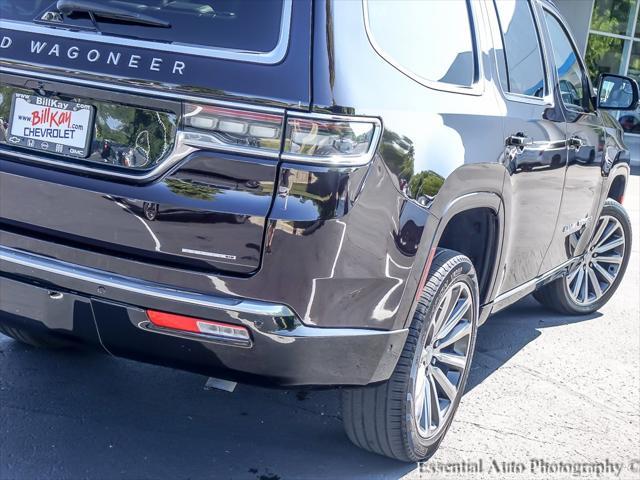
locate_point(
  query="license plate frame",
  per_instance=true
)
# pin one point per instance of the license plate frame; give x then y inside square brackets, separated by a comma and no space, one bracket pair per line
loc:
[76,118]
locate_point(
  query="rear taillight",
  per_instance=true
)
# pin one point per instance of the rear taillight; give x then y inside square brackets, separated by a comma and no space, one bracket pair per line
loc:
[173,321]
[232,129]
[309,138]
[328,139]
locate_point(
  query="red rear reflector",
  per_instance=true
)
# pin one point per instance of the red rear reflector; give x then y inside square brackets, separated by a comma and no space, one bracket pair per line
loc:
[196,325]
[425,273]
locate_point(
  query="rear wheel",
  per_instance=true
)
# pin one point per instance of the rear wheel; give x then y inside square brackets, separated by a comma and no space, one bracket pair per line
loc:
[407,417]
[593,280]
[30,338]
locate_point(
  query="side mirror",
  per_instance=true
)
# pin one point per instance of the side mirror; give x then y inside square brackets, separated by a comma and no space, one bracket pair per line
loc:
[616,92]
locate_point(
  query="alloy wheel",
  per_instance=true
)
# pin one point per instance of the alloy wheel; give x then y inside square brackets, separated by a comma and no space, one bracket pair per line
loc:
[591,278]
[444,360]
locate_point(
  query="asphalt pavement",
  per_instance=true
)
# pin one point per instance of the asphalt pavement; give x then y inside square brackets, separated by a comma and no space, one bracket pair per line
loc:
[548,397]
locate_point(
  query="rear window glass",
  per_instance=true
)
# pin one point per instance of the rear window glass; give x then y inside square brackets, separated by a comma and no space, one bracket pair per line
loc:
[431,39]
[245,25]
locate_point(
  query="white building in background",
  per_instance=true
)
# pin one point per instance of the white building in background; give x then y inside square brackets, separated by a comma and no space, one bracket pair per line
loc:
[608,32]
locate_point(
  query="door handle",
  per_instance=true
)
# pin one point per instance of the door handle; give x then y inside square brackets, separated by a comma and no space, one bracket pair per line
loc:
[518,140]
[576,143]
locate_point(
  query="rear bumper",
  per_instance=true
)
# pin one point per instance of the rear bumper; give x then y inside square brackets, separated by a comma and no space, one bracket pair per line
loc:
[108,311]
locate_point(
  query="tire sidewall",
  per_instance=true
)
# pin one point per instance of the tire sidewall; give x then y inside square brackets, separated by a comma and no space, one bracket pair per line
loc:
[420,446]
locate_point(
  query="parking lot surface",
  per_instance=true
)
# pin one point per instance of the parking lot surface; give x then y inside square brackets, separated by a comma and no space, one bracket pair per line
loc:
[544,390]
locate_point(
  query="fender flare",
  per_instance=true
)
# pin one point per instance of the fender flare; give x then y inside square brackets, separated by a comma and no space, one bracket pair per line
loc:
[435,228]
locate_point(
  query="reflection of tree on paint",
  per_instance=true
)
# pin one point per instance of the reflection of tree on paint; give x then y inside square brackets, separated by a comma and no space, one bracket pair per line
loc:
[425,184]
[191,190]
[398,153]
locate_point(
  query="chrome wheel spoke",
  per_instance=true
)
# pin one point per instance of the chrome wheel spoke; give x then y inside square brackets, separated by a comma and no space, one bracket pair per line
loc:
[598,235]
[572,276]
[426,401]
[435,402]
[448,388]
[443,311]
[451,359]
[618,242]
[462,330]
[596,283]
[606,275]
[614,259]
[456,316]
[584,289]
[578,283]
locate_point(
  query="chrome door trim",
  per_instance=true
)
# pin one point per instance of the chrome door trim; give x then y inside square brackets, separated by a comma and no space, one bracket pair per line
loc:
[478,85]
[274,56]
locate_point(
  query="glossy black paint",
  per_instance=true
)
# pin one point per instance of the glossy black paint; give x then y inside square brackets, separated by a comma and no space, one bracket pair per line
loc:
[340,246]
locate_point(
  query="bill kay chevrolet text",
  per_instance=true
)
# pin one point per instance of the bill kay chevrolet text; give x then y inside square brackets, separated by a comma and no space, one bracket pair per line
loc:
[304,193]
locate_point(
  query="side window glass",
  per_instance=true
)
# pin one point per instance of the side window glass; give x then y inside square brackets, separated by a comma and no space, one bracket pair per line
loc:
[431,40]
[572,78]
[523,54]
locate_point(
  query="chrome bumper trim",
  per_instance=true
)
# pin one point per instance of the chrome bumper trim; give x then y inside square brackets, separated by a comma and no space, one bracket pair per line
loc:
[101,280]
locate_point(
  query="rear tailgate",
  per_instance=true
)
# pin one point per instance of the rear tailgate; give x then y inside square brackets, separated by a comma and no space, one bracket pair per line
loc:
[147,186]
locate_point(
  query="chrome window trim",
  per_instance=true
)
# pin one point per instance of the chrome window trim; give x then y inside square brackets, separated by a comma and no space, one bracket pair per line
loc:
[336,160]
[477,88]
[274,56]
[585,71]
[548,99]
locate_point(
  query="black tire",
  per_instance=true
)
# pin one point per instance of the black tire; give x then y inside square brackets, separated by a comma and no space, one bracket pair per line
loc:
[380,418]
[32,339]
[555,295]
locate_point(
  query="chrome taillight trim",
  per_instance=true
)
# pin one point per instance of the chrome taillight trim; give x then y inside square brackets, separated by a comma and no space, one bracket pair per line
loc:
[184,145]
[201,145]
[337,160]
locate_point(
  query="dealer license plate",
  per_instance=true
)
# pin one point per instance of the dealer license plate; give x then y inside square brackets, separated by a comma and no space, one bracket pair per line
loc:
[50,125]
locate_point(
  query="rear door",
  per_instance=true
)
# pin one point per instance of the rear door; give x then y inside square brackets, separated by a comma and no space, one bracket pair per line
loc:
[586,148]
[535,148]
[156,143]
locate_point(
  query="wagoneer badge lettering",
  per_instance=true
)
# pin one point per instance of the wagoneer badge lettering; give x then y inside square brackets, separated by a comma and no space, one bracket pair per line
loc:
[151,62]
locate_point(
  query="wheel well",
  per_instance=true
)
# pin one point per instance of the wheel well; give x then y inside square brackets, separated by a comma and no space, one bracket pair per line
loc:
[616,191]
[474,233]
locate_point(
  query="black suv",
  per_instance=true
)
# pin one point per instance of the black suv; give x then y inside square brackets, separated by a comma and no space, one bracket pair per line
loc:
[304,193]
